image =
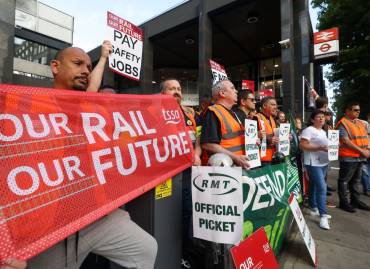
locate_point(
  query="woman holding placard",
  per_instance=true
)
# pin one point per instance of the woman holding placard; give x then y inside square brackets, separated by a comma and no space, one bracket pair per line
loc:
[314,144]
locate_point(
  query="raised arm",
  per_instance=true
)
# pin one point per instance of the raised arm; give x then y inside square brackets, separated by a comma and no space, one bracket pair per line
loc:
[97,73]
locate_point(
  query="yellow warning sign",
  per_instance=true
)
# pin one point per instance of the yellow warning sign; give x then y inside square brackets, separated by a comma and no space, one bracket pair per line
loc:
[163,190]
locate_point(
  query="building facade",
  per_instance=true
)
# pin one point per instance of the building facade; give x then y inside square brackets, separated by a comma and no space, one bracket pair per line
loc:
[32,33]
[269,42]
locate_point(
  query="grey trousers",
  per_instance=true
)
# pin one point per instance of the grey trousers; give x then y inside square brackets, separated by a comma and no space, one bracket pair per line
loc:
[349,179]
[116,237]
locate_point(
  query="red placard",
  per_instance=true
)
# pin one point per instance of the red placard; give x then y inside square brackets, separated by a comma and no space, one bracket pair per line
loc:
[124,26]
[248,84]
[326,35]
[68,158]
[254,252]
[217,66]
[266,92]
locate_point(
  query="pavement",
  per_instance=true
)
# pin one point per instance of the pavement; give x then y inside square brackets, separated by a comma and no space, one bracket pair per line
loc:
[346,245]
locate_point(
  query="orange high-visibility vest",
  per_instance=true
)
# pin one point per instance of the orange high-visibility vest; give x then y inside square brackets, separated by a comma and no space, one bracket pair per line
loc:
[356,133]
[269,128]
[232,131]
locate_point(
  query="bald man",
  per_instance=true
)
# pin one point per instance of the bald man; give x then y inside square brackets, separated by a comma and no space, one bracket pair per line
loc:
[114,236]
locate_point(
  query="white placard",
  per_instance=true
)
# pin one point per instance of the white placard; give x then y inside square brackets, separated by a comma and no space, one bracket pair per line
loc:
[284,141]
[251,147]
[218,72]
[217,196]
[333,144]
[264,141]
[303,228]
[127,42]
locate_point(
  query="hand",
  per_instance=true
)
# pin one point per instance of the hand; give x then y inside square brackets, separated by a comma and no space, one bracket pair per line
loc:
[12,263]
[258,142]
[106,49]
[197,161]
[274,140]
[314,94]
[261,134]
[323,148]
[241,160]
[365,153]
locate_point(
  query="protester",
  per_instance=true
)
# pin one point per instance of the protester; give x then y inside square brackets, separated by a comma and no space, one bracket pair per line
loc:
[222,130]
[365,178]
[298,125]
[322,103]
[329,120]
[246,103]
[267,114]
[353,151]
[314,144]
[172,87]
[281,118]
[205,102]
[114,236]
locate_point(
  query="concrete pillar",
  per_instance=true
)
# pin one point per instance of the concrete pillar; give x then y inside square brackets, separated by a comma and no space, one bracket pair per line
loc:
[205,50]
[287,54]
[7,21]
[146,76]
[302,49]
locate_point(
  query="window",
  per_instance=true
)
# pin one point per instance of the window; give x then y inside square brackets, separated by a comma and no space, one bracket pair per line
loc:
[32,51]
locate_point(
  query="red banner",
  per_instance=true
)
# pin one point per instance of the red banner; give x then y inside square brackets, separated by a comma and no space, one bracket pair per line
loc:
[265,92]
[68,158]
[248,85]
[254,252]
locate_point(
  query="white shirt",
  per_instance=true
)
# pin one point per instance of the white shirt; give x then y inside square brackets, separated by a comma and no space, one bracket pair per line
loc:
[317,138]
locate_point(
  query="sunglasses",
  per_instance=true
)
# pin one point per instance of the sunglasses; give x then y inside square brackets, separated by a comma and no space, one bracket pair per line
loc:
[356,110]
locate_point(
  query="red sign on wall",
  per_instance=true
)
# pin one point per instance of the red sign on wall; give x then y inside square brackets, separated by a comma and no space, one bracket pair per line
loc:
[266,92]
[326,35]
[254,252]
[68,158]
[248,84]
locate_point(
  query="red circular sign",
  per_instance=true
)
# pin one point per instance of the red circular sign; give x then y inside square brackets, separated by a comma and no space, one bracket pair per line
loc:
[325,47]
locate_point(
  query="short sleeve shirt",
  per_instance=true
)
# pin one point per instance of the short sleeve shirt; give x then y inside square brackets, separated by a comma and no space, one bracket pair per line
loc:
[317,138]
[211,128]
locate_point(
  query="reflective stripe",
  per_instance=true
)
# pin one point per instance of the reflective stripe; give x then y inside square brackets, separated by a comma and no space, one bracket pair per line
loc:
[227,125]
[232,132]
[236,148]
[230,135]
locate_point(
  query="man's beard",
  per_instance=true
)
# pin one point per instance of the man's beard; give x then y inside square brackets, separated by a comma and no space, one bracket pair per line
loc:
[81,88]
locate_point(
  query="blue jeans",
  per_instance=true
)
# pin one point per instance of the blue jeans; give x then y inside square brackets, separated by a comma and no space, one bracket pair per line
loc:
[365,179]
[317,193]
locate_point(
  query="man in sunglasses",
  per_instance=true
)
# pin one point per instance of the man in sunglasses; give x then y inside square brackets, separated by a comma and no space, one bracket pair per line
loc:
[245,105]
[353,151]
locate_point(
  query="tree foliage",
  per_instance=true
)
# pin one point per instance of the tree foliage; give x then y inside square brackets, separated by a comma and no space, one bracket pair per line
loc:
[351,73]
